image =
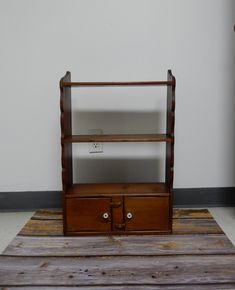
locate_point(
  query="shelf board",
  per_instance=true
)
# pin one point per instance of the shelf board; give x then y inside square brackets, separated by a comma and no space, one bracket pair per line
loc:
[118,138]
[111,84]
[110,189]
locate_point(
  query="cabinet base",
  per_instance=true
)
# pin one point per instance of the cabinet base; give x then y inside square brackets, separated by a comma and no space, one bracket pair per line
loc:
[119,209]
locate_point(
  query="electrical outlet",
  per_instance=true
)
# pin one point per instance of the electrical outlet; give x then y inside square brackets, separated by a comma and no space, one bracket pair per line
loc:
[95,147]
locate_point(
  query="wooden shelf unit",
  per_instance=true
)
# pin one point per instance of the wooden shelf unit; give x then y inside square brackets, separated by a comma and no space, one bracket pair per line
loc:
[116,208]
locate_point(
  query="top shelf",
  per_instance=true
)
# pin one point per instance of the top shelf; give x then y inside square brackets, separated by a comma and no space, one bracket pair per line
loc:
[111,84]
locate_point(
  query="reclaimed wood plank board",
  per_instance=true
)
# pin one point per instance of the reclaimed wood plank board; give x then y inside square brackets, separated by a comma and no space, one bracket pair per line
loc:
[177,213]
[191,213]
[197,256]
[54,227]
[47,214]
[196,226]
[157,270]
[120,245]
[34,227]
[155,287]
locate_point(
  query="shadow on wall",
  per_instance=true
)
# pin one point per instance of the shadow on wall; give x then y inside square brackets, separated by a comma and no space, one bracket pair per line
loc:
[120,162]
[112,122]
[117,170]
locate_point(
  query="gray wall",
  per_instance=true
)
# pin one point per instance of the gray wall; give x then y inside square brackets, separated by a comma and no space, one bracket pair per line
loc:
[117,40]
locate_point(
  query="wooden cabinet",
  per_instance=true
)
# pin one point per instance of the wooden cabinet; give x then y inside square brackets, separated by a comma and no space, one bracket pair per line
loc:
[88,214]
[118,208]
[117,214]
[146,213]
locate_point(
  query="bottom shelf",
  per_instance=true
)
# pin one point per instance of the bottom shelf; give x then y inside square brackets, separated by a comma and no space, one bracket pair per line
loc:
[126,208]
[104,189]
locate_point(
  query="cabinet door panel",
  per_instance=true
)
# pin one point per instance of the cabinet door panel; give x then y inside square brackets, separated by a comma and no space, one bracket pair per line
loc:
[147,213]
[88,214]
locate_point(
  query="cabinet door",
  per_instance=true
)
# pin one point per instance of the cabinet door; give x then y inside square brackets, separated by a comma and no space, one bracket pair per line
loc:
[147,213]
[88,214]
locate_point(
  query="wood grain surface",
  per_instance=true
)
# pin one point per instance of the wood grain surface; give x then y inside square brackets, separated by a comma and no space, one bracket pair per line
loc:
[196,256]
[54,227]
[145,270]
[108,84]
[90,222]
[118,138]
[47,214]
[126,287]
[120,245]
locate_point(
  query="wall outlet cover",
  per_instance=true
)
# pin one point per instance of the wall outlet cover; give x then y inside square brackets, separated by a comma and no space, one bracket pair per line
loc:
[95,147]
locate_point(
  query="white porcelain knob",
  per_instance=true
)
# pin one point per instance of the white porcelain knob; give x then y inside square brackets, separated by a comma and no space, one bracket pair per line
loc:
[105,215]
[129,215]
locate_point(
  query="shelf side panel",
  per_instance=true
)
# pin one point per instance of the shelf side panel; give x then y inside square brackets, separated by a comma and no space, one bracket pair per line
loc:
[170,127]
[170,124]
[66,130]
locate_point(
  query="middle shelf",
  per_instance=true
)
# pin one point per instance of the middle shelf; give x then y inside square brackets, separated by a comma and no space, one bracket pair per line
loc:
[118,138]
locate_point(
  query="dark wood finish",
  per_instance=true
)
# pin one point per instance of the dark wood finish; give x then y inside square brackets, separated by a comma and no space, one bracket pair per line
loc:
[170,126]
[105,84]
[118,138]
[66,130]
[116,205]
[86,214]
[151,203]
[147,213]
[110,189]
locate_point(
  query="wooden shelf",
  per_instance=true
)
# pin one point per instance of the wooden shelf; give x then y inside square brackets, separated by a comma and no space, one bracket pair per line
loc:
[118,138]
[116,208]
[110,189]
[111,84]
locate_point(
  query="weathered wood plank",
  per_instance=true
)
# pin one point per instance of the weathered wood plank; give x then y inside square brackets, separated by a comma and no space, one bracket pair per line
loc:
[157,270]
[191,213]
[54,227]
[47,214]
[156,287]
[120,245]
[196,226]
[42,228]
[185,260]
